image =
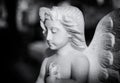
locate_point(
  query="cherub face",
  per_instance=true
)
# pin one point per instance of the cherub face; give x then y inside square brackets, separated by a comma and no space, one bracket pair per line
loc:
[56,35]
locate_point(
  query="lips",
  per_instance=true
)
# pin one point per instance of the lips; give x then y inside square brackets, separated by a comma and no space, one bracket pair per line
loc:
[49,43]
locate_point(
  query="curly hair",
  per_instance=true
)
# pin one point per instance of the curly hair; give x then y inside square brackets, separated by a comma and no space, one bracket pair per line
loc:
[70,17]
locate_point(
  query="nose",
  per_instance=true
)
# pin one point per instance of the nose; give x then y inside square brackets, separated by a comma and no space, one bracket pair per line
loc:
[49,36]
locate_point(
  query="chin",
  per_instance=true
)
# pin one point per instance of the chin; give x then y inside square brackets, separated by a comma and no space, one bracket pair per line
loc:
[53,48]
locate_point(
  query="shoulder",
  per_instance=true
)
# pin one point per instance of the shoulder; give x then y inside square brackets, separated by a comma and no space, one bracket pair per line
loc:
[80,59]
[45,60]
[44,63]
[80,62]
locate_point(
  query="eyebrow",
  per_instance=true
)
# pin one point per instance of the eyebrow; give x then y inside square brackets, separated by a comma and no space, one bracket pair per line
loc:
[54,27]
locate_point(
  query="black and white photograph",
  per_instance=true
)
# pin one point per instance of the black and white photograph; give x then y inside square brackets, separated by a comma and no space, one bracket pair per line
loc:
[60,41]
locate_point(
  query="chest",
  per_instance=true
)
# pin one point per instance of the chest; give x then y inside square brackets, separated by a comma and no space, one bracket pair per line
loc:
[60,66]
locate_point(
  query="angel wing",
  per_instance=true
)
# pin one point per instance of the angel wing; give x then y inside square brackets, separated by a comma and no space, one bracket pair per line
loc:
[104,50]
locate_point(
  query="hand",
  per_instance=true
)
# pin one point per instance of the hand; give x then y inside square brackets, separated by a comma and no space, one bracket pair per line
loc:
[54,71]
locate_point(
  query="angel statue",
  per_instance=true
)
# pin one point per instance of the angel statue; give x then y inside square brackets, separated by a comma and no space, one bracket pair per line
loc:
[72,61]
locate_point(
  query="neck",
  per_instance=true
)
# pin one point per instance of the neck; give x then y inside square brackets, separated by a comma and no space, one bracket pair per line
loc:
[66,50]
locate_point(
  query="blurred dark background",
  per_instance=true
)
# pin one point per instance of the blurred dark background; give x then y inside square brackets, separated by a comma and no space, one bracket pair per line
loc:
[22,44]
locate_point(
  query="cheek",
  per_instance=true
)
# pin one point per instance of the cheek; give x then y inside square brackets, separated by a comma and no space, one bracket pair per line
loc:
[60,39]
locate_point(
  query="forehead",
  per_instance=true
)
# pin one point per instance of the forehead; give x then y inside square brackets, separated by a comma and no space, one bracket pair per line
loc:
[53,23]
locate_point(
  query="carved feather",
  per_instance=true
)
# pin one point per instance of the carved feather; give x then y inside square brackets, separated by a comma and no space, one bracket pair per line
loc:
[104,50]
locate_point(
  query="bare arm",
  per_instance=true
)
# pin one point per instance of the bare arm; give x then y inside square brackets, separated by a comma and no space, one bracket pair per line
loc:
[41,76]
[79,72]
